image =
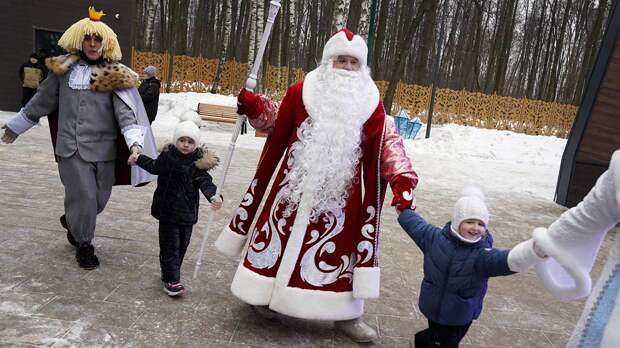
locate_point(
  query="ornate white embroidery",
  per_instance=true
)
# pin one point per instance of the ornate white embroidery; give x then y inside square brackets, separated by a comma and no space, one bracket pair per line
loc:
[408,195]
[322,273]
[368,228]
[241,215]
[365,246]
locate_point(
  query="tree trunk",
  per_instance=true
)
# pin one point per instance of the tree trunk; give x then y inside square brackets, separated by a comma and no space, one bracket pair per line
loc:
[590,50]
[382,24]
[403,47]
[340,15]
[427,43]
[364,21]
[555,72]
[292,43]
[223,46]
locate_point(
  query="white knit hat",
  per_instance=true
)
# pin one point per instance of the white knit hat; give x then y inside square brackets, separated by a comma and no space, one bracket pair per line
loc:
[470,206]
[187,129]
[345,43]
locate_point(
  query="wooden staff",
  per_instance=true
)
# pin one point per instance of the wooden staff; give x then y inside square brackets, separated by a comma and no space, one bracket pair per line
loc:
[250,84]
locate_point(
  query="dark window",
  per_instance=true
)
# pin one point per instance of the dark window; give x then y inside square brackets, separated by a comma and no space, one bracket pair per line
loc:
[46,43]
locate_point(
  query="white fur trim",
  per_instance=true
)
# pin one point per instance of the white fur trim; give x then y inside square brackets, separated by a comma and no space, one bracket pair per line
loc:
[614,168]
[134,134]
[295,240]
[316,304]
[310,96]
[366,282]
[563,275]
[339,45]
[230,243]
[251,287]
[522,257]
[20,123]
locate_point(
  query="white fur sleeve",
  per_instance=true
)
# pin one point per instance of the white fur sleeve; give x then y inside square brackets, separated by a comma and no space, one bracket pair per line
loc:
[522,257]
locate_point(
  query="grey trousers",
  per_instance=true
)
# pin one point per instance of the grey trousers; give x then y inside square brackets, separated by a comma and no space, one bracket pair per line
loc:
[88,186]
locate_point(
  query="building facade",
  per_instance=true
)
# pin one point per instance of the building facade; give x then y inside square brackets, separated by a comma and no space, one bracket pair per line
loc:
[34,26]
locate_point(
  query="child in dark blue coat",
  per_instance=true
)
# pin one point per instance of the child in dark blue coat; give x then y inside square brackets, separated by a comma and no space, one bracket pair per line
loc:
[182,172]
[458,260]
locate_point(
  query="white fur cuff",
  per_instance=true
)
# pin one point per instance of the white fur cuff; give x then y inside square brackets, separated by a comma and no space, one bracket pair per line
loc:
[134,134]
[522,257]
[20,123]
[614,168]
[366,282]
[230,243]
[564,275]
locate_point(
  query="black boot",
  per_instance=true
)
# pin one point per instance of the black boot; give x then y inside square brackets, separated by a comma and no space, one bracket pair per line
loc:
[85,256]
[63,222]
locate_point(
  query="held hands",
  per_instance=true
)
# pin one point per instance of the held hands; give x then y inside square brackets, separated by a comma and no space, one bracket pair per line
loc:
[9,136]
[135,150]
[216,203]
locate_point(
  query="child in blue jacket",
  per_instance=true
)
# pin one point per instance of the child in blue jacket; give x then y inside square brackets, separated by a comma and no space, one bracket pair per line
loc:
[458,261]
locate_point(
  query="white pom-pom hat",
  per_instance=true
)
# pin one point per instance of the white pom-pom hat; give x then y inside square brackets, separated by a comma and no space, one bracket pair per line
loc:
[345,43]
[187,129]
[191,115]
[471,205]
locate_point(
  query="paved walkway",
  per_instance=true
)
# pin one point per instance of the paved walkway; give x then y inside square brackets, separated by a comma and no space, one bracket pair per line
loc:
[47,300]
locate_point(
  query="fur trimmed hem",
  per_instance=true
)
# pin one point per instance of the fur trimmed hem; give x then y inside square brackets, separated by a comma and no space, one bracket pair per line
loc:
[316,304]
[366,282]
[251,287]
[106,76]
[230,243]
[258,290]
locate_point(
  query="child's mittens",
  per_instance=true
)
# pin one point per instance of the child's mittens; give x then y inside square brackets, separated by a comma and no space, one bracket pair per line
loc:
[524,256]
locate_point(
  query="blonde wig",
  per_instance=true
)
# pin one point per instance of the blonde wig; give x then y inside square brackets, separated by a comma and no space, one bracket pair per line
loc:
[73,37]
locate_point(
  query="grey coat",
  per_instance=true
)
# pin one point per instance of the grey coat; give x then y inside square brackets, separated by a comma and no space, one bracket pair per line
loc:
[88,121]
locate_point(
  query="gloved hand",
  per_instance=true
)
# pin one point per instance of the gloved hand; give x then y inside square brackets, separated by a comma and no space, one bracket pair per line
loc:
[249,104]
[404,198]
[216,202]
[9,136]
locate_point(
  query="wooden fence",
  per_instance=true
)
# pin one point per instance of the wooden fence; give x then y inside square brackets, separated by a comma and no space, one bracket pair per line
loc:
[195,74]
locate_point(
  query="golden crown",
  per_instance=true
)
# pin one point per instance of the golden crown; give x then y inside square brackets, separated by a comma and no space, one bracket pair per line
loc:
[95,15]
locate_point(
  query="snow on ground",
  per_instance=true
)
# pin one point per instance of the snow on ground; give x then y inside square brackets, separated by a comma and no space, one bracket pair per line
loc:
[497,161]
[453,156]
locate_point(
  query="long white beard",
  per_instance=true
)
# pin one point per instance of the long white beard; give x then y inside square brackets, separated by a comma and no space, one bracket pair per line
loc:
[325,158]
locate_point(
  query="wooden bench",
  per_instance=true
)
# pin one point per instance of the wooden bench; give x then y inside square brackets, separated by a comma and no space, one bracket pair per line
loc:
[222,114]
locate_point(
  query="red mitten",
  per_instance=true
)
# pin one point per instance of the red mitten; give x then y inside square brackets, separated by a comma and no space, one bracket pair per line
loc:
[249,104]
[402,188]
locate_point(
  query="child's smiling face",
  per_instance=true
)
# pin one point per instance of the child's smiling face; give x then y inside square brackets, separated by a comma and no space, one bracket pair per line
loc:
[185,145]
[472,229]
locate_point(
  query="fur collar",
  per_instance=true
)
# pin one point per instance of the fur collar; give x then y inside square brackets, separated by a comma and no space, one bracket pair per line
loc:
[105,76]
[207,159]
